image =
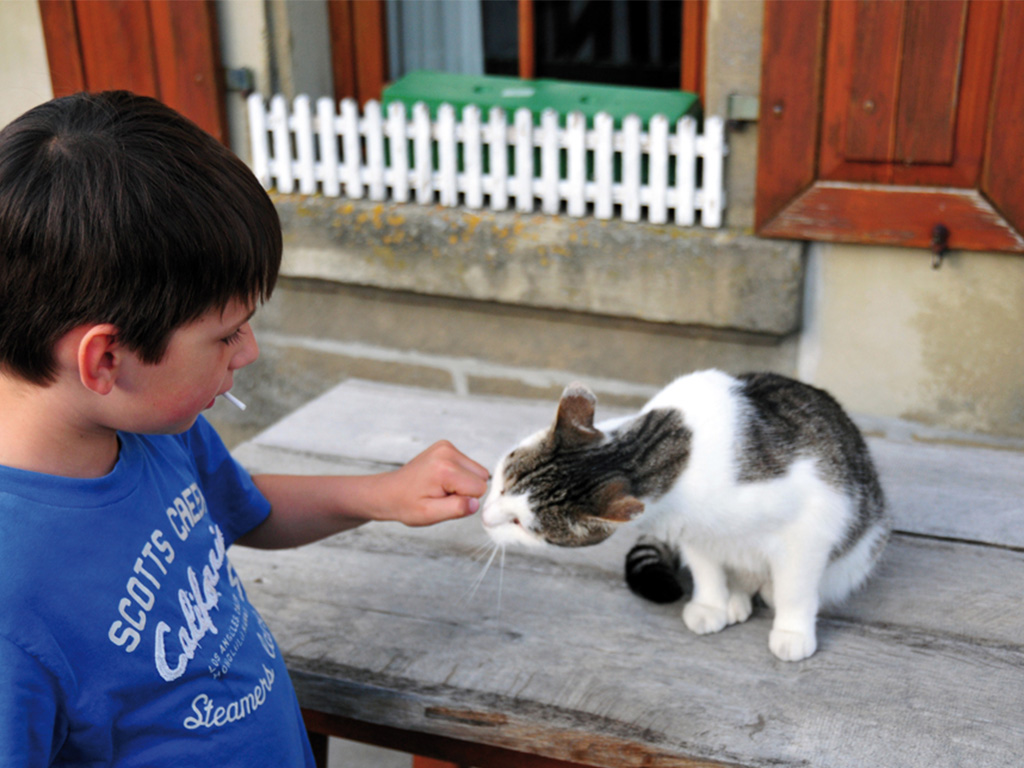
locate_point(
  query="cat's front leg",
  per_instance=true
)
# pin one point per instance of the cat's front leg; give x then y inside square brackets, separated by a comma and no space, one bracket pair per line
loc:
[708,610]
[743,586]
[795,584]
[740,607]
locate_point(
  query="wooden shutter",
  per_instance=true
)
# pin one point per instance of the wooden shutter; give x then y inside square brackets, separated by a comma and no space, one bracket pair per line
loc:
[882,120]
[168,49]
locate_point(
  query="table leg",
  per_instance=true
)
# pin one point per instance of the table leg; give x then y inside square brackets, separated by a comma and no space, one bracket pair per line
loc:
[318,741]
[418,761]
[446,749]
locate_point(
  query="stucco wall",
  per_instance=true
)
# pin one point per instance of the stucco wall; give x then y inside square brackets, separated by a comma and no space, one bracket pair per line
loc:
[24,72]
[733,67]
[284,44]
[891,336]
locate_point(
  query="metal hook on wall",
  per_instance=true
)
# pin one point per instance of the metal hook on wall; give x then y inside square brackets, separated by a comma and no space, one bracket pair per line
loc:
[940,244]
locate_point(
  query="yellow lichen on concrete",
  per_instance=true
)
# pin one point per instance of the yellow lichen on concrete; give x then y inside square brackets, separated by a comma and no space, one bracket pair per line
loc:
[386,255]
[472,222]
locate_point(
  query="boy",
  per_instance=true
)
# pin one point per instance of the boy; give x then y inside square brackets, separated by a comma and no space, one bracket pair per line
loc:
[134,249]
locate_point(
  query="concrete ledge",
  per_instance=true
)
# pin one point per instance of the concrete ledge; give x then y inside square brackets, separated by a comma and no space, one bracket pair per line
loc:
[663,274]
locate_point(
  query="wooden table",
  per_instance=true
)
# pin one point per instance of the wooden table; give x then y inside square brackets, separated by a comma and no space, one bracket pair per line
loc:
[390,639]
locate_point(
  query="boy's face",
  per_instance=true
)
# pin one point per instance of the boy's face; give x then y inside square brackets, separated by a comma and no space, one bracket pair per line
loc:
[198,366]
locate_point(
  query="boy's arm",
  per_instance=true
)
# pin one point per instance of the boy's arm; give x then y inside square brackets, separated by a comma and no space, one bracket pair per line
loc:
[31,726]
[439,484]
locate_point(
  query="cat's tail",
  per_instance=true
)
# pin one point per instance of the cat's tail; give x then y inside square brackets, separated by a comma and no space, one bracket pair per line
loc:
[653,571]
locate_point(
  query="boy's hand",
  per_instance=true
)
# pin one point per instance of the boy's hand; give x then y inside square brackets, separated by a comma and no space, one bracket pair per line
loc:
[439,484]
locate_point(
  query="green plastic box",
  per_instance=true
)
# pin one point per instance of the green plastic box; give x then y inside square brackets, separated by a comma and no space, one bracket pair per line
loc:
[511,93]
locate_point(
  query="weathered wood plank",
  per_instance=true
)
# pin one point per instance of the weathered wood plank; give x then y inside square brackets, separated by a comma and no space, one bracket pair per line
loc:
[947,589]
[976,494]
[920,669]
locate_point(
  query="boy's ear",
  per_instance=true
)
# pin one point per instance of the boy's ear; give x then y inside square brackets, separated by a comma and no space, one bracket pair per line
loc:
[99,358]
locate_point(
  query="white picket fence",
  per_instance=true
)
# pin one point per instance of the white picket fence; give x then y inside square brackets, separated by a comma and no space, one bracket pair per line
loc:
[493,163]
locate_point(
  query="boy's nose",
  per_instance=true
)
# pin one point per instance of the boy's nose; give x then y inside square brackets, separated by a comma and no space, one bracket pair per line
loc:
[247,352]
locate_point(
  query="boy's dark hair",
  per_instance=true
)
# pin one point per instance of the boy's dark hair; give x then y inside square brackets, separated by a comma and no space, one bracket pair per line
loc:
[116,209]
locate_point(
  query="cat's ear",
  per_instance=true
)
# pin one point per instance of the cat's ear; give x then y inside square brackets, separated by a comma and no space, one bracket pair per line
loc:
[574,424]
[623,509]
[616,503]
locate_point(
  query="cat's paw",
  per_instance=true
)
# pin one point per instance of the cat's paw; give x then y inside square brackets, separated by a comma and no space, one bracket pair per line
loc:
[792,646]
[740,607]
[704,619]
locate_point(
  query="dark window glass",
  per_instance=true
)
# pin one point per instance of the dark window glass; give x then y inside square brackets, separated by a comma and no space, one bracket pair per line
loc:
[501,37]
[621,42]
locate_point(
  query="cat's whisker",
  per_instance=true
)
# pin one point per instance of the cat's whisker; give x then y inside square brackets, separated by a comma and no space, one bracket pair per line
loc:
[478,554]
[501,578]
[471,592]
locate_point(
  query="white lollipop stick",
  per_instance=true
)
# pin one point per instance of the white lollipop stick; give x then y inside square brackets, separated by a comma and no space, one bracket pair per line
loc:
[234,401]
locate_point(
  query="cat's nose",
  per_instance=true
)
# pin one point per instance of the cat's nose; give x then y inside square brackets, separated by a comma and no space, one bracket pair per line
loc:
[491,513]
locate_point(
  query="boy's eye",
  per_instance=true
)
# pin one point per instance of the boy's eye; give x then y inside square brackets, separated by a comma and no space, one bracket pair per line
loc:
[235,337]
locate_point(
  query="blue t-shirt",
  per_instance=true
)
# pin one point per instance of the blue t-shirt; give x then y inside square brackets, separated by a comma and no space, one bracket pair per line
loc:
[126,638]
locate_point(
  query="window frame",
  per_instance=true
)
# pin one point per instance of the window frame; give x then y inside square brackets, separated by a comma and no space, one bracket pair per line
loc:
[359,50]
[359,46]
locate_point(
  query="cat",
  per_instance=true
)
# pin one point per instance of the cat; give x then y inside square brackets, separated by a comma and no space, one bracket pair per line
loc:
[762,483]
